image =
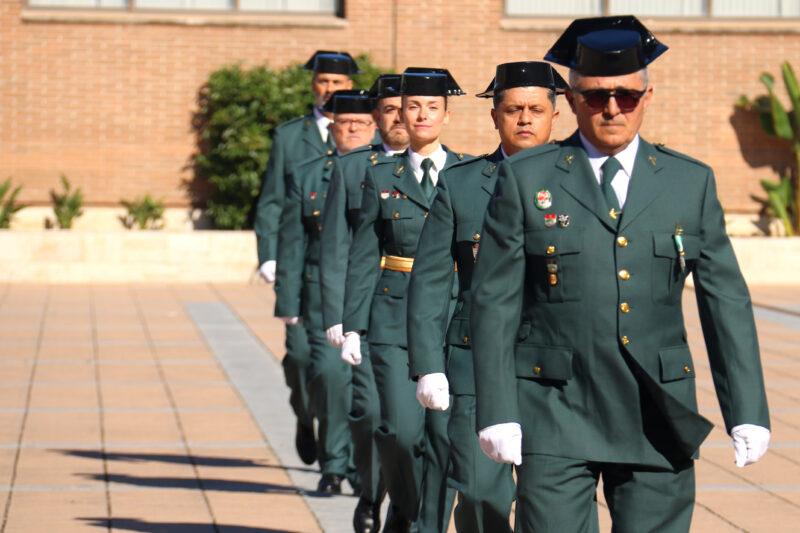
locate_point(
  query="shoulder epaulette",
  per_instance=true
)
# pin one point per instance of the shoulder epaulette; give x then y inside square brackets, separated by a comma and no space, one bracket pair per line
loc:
[291,122]
[468,161]
[534,151]
[669,151]
[311,160]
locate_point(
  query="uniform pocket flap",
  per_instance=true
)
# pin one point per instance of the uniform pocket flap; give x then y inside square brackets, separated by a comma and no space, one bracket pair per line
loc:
[395,209]
[676,363]
[554,241]
[458,332]
[546,362]
[664,246]
[396,286]
[469,230]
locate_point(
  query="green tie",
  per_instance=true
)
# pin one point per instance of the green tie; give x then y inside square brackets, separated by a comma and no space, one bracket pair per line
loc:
[427,182]
[610,169]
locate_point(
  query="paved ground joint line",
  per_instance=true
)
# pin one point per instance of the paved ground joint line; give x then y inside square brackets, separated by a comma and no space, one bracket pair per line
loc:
[101,422]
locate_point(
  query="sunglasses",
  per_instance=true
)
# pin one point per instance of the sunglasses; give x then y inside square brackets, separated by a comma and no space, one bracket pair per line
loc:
[627,99]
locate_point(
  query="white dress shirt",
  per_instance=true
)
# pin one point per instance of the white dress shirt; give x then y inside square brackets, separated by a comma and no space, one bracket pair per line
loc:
[389,151]
[439,158]
[626,158]
[322,124]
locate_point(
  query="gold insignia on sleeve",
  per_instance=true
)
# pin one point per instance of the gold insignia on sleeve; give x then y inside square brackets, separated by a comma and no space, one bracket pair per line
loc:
[568,159]
[652,160]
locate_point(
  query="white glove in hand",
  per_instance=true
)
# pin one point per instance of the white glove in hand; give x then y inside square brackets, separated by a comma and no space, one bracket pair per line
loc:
[267,271]
[335,336]
[749,443]
[502,442]
[351,348]
[433,391]
[291,320]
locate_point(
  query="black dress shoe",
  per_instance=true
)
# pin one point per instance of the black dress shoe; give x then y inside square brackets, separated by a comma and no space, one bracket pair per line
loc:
[306,444]
[367,516]
[396,522]
[330,484]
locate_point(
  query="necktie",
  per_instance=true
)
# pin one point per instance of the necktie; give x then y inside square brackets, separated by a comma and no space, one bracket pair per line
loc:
[610,169]
[427,182]
[329,142]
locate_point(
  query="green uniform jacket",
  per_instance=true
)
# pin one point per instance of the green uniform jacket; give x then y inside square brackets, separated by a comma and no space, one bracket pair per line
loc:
[294,141]
[393,210]
[597,366]
[297,291]
[339,221]
[451,234]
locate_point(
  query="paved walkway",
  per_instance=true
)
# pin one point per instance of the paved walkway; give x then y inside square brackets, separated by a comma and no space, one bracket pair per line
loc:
[153,408]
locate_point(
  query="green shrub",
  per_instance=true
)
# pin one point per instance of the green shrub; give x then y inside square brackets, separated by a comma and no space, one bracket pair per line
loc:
[144,213]
[67,206]
[239,111]
[8,206]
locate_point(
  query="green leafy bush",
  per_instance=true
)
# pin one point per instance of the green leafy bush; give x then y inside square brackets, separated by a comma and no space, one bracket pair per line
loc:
[67,206]
[8,206]
[144,213]
[239,111]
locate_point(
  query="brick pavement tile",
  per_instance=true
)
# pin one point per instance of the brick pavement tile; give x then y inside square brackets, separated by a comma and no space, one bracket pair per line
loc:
[58,467]
[256,464]
[75,370]
[50,351]
[716,468]
[268,511]
[129,371]
[20,334]
[7,458]
[190,371]
[222,395]
[47,427]
[145,466]
[18,350]
[66,334]
[169,507]
[214,426]
[10,426]
[754,511]
[134,351]
[132,396]
[140,427]
[706,521]
[66,511]
[64,395]
[176,334]
[15,370]
[13,396]
[166,352]
[132,333]
[772,469]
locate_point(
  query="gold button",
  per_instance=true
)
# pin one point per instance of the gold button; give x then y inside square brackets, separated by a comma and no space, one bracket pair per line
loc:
[426,214]
[537,370]
[386,289]
[319,227]
[622,241]
[477,236]
[624,307]
[550,250]
[315,213]
[308,276]
[397,215]
[405,197]
[624,274]
[465,339]
[625,339]
[687,369]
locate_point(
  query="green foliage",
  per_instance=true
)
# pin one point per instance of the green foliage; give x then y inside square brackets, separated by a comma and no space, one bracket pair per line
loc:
[776,121]
[68,205]
[239,111]
[144,213]
[8,206]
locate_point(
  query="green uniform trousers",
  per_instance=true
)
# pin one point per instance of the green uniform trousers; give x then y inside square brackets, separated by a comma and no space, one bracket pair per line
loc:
[365,417]
[558,495]
[329,389]
[412,444]
[485,487]
[295,370]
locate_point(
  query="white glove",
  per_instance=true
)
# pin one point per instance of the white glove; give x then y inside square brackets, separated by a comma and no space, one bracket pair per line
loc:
[502,442]
[749,443]
[291,320]
[335,336]
[267,271]
[433,391]
[351,348]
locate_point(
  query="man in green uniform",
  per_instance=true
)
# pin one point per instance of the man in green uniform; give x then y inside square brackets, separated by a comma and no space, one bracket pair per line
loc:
[297,290]
[295,141]
[340,217]
[581,360]
[524,112]
[411,443]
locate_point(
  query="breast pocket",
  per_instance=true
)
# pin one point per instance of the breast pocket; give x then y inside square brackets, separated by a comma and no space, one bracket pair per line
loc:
[403,221]
[553,264]
[668,277]
[677,374]
[550,363]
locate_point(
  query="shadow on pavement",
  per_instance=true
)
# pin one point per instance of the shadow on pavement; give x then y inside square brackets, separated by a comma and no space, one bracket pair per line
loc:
[224,485]
[134,524]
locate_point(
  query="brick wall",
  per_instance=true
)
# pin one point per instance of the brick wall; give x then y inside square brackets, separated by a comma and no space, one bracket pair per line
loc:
[110,104]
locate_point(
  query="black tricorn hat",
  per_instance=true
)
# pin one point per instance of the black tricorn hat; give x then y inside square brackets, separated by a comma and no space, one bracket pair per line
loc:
[349,101]
[524,74]
[329,62]
[385,86]
[606,46]
[418,81]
